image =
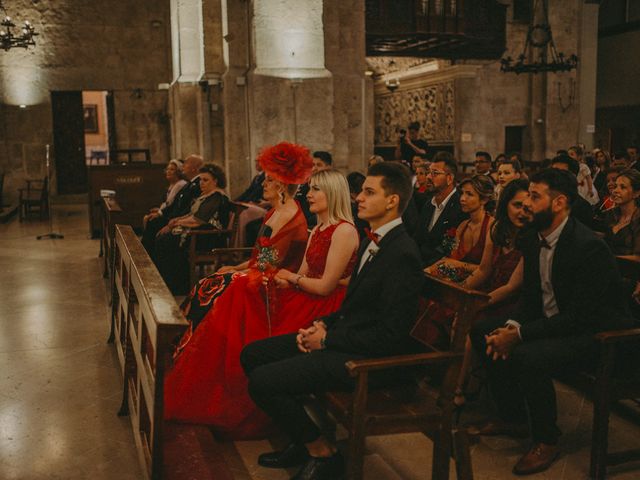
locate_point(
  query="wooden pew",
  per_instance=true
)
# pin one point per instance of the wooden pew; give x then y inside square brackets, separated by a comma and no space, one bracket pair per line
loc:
[138,187]
[402,410]
[145,320]
[111,214]
[611,383]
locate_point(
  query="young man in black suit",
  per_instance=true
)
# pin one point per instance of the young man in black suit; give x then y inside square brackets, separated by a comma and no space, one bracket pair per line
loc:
[571,290]
[374,320]
[441,210]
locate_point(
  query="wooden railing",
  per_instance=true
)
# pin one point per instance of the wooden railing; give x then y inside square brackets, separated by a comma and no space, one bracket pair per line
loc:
[145,320]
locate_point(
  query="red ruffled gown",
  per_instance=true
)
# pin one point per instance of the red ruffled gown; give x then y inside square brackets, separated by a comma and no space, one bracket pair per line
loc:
[207,384]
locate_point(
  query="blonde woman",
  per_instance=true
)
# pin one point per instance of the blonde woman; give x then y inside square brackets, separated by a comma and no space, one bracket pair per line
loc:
[207,384]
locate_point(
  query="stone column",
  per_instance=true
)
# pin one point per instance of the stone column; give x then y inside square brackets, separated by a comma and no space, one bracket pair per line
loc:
[322,100]
[588,69]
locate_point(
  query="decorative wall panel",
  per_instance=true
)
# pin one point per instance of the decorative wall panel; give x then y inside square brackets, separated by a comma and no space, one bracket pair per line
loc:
[432,106]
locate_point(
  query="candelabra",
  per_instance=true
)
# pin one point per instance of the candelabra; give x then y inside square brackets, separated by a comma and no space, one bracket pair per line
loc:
[9,39]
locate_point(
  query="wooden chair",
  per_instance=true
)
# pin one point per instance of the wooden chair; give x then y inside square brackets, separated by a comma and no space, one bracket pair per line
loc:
[404,410]
[199,259]
[34,198]
[614,382]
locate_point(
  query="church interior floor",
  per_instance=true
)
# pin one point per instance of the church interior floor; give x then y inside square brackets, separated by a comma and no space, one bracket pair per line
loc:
[60,386]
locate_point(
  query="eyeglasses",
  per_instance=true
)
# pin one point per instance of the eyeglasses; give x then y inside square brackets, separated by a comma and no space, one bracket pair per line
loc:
[433,173]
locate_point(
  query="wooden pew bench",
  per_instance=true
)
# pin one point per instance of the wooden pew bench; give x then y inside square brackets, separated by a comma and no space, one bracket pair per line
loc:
[145,320]
[111,215]
[616,378]
[405,410]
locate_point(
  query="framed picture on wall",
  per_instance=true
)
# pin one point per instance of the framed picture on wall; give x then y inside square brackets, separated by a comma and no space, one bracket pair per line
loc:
[90,118]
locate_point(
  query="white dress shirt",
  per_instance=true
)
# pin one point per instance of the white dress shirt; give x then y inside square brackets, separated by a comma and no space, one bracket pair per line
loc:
[373,248]
[549,305]
[438,209]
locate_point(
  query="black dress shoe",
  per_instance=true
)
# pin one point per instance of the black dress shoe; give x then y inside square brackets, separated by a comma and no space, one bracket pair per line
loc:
[289,457]
[322,468]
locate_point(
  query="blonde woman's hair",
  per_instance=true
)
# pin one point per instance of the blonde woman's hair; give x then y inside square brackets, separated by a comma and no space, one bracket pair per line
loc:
[335,187]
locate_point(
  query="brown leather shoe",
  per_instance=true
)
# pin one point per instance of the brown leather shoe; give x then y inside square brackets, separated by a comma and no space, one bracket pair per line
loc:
[498,427]
[538,459]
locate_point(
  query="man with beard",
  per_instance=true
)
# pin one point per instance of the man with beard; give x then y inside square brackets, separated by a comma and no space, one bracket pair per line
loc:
[441,211]
[572,289]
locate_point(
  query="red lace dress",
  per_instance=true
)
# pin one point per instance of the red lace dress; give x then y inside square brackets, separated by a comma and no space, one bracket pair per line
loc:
[207,384]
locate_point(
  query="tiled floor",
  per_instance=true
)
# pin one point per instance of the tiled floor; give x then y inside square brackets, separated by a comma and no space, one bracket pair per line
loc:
[60,386]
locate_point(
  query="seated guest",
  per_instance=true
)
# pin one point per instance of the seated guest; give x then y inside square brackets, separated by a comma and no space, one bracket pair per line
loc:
[180,206]
[373,159]
[173,174]
[250,218]
[374,320]
[475,193]
[321,161]
[500,270]
[441,211]
[253,193]
[507,171]
[207,384]
[632,151]
[284,227]
[623,221]
[211,209]
[355,181]
[483,163]
[573,291]
[581,209]
[602,164]
[607,202]
[585,182]
[620,160]
[421,179]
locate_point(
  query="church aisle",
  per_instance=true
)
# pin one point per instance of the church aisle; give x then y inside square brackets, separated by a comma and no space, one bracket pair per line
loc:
[60,388]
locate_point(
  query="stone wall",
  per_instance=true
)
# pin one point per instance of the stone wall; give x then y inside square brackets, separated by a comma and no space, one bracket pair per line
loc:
[118,46]
[487,100]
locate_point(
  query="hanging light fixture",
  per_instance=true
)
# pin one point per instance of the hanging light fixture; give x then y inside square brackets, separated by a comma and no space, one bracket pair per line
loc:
[9,39]
[548,59]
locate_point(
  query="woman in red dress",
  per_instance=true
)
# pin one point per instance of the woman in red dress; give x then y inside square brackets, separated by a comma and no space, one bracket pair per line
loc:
[285,227]
[207,384]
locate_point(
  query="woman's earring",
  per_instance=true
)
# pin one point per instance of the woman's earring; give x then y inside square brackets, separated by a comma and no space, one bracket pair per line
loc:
[282,197]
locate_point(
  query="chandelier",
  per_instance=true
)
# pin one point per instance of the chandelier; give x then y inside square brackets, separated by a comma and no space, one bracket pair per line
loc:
[548,59]
[9,39]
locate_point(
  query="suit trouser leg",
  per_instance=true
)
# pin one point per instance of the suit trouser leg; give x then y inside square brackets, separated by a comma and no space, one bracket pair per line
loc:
[503,382]
[534,363]
[279,373]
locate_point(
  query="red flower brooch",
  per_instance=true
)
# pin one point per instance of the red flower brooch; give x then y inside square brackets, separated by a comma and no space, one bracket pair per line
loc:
[287,162]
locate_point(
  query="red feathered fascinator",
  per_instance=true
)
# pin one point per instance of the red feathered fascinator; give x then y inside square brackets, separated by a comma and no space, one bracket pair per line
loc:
[287,162]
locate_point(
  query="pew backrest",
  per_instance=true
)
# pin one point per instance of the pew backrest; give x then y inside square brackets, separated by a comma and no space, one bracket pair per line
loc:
[146,321]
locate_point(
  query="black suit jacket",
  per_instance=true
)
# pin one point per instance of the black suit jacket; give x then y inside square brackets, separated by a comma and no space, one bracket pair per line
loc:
[381,303]
[254,192]
[586,284]
[430,242]
[184,198]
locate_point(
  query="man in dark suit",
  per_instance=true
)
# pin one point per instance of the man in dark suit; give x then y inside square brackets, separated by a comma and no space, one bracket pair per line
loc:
[581,209]
[374,320]
[571,291]
[441,210]
[181,204]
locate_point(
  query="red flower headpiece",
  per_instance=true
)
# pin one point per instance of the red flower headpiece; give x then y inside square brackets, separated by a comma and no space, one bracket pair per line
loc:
[287,162]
